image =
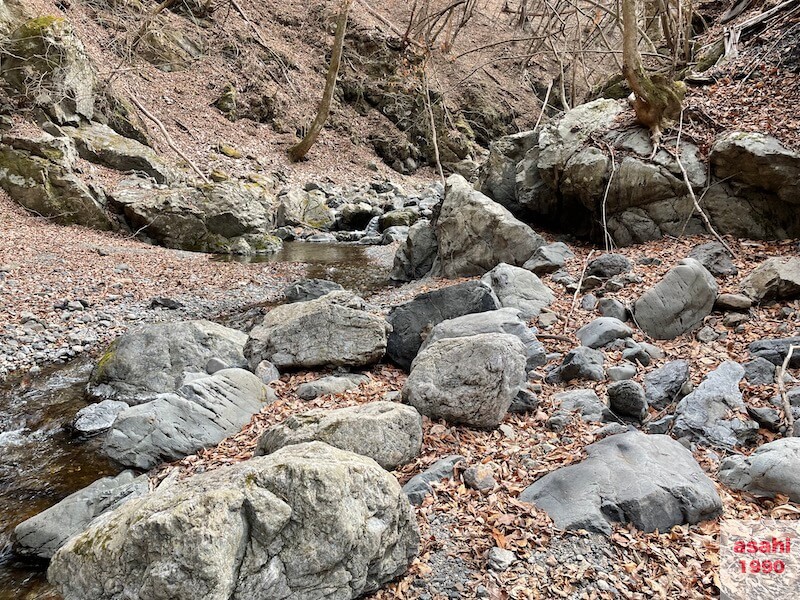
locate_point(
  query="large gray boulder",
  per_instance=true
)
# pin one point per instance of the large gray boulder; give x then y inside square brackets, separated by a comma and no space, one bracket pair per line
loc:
[202,414]
[775,278]
[504,320]
[154,359]
[304,208]
[476,234]
[387,432]
[307,522]
[771,469]
[715,413]
[677,303]
[43,534]
[329,331]
[650,481]
[411,322]
[469,380]
[518,288]
[414,257]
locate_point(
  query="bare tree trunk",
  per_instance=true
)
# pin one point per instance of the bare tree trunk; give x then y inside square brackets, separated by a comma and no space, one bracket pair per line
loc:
[299,150]
[657,100]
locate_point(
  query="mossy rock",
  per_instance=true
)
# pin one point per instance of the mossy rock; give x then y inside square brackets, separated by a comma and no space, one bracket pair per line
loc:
[229,151]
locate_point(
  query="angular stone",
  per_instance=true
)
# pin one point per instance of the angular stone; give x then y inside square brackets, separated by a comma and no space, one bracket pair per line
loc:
[414,257]
[732,302]
[310,289]
[759,371]
[518,288]
[775,351]
[387,432]
[580,363]
[419,486]
[586,402]
[97,418]
[606,266]
[714,257]
[626,398]
[770,470]
[665,385]
[327,331]
[332,384]
[602,331]
[549,258]
[610,307]
[650,481]
[775,278]
[677,303]
[309,521]
[470,380]
[412,321]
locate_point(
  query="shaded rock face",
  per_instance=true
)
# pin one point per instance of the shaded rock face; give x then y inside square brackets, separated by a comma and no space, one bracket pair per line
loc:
[775,278]
[328,331]
[469,380]
[504,320]
[387,432]
[665,385]
[770,470]
[651,481]
[43,534]
[476,234]
[414,258]
[715,413]
[172,426]
[677,303]
[154,359]
[775,351]
[411,322]
[580,363]
[498,177]
[518,288]
[714,257]
[307,522]
[227,218]
[299,207]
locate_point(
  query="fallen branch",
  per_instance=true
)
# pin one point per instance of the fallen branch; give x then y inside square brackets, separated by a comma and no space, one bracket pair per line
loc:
[375,14]
[434,137]
[168,137]
[787,407]
[578,289]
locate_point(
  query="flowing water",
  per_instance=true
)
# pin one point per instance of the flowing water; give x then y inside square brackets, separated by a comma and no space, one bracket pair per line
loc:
[41,462]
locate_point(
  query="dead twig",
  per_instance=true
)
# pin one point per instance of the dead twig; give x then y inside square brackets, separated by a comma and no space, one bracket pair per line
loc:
[578,289]
[787,407]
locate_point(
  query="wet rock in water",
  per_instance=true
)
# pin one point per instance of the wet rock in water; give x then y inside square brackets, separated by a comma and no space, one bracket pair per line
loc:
[152,360]
[770,470]
[328,331]
[606,266]
[310,289]
[759,371]
[476,234]
[414,258]
[602,331]
[470,380]
[774,279]
[412,321]
[667,384]
[549,258]
[419,486]
[332,384]
[775,351]
[585,402]
[715,413]
[579,363]
[714,257]
[309,521]
[43,534]
[387,432]
[677,303]
[202,414]
[627,399]
[518,288]
[97,418]
[504,320]
[650,481]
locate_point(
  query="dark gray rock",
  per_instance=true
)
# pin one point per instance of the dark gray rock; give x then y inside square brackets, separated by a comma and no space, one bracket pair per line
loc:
[602,331]
[332,384]
[666,385]
[310,289]
[497,177]
[580,363]
[585,402]
[468,380]
[412,321]
[678,303]
[766,417]
[606,266]
[759,371]
[610,307]
[549,258]
[518,288]
[388,432]
[97,418]
[43,534]
[715,413]
[771,469]
[714,257]
[650,481]
[775,351]
[419,486]
[524,402]
[414,258]
[504,320]
[627,399]
[661,425]
[308,521]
